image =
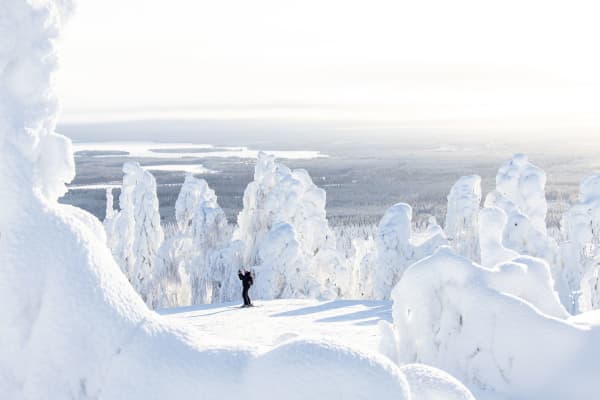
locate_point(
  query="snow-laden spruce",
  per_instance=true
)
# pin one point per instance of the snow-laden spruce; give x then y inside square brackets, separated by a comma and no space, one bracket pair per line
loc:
[72,325]
[462,216]
[210,233]
[189,267]
[136,230]
[502,331]
[581,250]
[277,196]
[396,248]
[522,183]
[520,194]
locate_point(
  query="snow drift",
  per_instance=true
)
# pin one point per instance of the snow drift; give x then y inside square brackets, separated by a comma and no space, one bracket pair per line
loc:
[72,325]
[501,331]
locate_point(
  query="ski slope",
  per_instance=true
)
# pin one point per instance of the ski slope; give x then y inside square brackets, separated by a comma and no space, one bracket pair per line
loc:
[349,322]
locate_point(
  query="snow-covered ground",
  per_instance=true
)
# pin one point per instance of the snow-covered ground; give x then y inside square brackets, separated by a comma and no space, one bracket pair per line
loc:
[349,322]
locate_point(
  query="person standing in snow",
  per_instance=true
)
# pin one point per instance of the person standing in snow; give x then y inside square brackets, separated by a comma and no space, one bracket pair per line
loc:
[247,279]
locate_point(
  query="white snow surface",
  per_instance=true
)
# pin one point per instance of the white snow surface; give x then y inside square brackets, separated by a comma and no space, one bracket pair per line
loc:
[282,323]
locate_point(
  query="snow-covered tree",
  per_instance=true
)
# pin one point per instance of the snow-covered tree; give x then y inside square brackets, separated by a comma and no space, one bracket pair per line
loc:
[523,184]
[462,226]
[580,227]
[110,210]
[210,233]
[495,329]
[137,233]
[281,264]
[492,222]
[112,238]
[170,279]
[520,194]
[279,195]
[192,192]
[396,249]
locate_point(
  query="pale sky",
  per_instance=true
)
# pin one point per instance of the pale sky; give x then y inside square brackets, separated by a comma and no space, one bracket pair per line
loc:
[458,63]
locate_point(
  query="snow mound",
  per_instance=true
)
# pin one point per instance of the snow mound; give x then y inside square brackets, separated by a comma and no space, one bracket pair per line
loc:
[427,383]
[317,370]
[495,330]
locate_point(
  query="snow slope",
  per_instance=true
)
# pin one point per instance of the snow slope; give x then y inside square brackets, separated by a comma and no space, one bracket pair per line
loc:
[350,322]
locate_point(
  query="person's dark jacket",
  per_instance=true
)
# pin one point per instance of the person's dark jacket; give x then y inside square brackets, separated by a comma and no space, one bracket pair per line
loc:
[246,278]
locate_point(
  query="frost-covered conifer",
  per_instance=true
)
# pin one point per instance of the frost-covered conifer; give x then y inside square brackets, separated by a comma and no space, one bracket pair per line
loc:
[396,249]
[462,225]
[492,222]
[210,234]
[520,194]
[581,250]
[137,233]
[279,195]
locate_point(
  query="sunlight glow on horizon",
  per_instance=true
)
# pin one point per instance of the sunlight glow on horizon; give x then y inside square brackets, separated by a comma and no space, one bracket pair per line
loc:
[383,60]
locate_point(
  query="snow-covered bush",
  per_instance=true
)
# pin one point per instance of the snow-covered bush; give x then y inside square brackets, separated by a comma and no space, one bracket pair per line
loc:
[396,249]
[495,330]
[136,231]
[279,195]
[462,216]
